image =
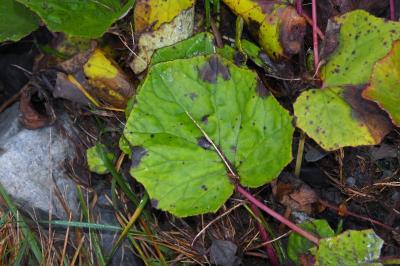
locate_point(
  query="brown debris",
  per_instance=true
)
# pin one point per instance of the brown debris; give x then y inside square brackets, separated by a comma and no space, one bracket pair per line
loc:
[32,117]
[292,31]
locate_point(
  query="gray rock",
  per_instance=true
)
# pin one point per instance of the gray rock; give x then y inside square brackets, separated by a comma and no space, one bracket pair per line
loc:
[223,253]
[32,164]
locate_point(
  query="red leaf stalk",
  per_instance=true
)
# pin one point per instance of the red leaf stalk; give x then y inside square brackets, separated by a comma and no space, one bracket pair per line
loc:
[299,7]
[265,238]
[392,10]
[277,216]
[315,35]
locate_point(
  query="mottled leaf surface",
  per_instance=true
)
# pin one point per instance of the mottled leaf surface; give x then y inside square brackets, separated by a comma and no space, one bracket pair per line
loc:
[338,117]
[16,21]
[358,40]
[384,87]
[84,18]
[351,248]
[277,26]
[94,158]
[151,14]
[171,156]
[298,245]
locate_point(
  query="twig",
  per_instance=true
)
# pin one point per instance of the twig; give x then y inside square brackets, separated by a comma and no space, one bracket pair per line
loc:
[330,206]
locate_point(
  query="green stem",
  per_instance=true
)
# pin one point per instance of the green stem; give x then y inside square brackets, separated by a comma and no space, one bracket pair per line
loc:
[128,226]
[300,151]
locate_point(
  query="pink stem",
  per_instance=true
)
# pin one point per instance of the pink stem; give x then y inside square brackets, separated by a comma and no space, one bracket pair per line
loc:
[392,10]
[277,216]
[264,237]
[315,35]
[299,7]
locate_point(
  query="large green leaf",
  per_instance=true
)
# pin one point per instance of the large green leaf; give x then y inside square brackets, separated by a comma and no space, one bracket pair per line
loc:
[351,248]
[385,84]
[338,117]
[84,18]
[298,245]
[179,105]
[361,41]
[16,21]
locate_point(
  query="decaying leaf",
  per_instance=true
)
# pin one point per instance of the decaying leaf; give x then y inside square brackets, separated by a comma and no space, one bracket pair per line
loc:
[277,26]
[159,24]
[65,89]
[109,82]
[92,77]
[180,103]
[150,14]
[95,163]
[357,40]
[295,194]
[338,117]
[298,246]
[384,87]
[34,112]
[351,248]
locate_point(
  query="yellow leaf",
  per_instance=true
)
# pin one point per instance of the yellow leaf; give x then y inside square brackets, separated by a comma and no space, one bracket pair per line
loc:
[110,84]
[153,13]
[277,27]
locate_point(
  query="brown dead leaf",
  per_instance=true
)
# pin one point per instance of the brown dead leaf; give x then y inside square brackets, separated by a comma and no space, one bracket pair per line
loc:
[296,195]
[34,114]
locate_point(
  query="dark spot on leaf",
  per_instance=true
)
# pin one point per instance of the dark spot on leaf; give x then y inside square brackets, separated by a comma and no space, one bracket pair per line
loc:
[151,135]
[233,148]
[262,91]
[192,95]
[154,203]
[212,68]
[204,143]
[204,187]
[204,119]
[137,153]
[239,59]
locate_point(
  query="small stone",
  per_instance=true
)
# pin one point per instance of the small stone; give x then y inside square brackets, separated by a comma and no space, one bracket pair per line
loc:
[32,164]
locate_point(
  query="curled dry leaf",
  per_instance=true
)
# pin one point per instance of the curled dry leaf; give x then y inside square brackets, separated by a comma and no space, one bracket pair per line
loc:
[278,27]
[37,115]
[160,24]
